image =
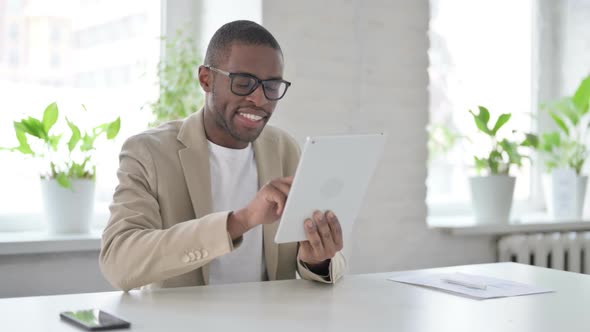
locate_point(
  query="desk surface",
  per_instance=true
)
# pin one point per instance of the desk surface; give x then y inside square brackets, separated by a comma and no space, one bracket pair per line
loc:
[356,303]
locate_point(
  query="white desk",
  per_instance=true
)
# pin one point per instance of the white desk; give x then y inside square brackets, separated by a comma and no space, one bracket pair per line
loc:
[357,303]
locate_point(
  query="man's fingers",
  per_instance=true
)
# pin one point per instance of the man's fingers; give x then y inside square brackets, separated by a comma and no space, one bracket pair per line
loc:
[305,247]
[277,197]
[314,239]
[336,230]
[281,186]
[325,234]
[287,179]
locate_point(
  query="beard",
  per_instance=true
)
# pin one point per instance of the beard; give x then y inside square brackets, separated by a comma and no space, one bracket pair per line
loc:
[226,119]
[246,136]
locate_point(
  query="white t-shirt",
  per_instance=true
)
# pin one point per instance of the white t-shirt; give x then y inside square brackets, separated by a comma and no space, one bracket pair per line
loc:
[234,183]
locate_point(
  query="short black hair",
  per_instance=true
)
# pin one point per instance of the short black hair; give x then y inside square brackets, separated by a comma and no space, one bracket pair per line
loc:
[241,32]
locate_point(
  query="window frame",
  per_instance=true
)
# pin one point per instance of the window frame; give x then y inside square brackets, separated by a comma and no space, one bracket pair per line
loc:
[535,203]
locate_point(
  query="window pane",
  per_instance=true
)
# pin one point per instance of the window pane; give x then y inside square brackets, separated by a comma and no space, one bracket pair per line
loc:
[481,54]
[102,54]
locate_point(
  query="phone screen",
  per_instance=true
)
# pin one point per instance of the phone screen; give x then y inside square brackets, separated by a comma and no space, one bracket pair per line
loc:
[94,319]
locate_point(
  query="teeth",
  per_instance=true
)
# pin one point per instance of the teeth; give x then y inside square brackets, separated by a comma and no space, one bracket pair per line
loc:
[251,116]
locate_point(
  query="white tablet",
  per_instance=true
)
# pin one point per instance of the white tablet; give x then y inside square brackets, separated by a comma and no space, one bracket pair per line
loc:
[333,174]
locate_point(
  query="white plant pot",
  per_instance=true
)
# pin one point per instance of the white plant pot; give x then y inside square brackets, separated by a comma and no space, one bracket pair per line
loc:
[564,193]
[492,198]
[68,210]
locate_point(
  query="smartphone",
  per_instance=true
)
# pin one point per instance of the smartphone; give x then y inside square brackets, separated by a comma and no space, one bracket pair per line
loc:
[94,320]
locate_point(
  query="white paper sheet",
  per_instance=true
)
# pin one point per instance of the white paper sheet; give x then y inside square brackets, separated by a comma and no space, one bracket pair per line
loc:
[493,287]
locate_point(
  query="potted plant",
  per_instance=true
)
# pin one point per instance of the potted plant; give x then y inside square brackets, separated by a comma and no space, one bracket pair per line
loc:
[180,93]
[492,189]
[68,180]
[565,152]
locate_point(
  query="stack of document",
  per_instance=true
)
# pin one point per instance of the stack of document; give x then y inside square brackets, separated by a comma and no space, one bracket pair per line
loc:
[481,287]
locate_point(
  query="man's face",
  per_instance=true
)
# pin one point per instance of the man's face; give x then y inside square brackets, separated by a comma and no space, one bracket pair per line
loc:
[239,120]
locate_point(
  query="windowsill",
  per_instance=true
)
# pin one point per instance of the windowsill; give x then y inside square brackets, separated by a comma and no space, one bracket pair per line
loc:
[462,225]
[36,242]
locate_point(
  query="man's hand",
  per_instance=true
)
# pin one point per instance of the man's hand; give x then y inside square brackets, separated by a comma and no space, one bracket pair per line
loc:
[266,208]
[324,240]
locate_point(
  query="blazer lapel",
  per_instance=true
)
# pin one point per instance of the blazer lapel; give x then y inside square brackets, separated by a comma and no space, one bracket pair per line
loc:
[269,168]
[194,160]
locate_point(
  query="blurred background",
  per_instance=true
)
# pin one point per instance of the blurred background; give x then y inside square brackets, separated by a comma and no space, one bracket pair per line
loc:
[411,69]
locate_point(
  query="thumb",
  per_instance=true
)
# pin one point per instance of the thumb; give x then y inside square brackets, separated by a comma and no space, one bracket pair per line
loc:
[278,199]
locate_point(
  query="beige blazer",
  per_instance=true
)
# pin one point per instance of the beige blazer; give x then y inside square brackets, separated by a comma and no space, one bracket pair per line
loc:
[162,232]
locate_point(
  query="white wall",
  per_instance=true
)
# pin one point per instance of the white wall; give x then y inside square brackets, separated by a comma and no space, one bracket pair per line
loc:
[49,274]
[361,66]
[218,12]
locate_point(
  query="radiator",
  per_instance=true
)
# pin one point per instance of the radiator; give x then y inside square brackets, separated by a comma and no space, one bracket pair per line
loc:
[564,251]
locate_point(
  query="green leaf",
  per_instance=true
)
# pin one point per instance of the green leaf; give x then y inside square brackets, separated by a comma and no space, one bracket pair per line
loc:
[24,146]
[76,171]
[480,164]
[567,107]
[441,140]
[34,127]
[50,117]
[25,150]
[560,122]
[550,141]
[581,97]
[564,108]
[53,171]
[502,119]
[480,123]
[531,140]
[113,128]
[511,149]
[79,171]
[76,135]
[178,96]
[484,114]
[54,141]
[87,143]
[578,166]
[550,165]
[63,180]
[494,161]
[86,160]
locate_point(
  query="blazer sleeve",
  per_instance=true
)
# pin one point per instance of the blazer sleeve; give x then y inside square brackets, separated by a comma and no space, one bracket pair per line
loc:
[337,269]
[136,250]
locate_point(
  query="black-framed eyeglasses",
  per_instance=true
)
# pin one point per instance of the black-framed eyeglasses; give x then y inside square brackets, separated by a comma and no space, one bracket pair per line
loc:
[243,84]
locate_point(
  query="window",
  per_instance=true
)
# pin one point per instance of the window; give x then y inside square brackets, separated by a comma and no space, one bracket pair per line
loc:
[55,60]
[110,76]
[481,54]
[13,32]
[14,5]
[55,32]
[13,59]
